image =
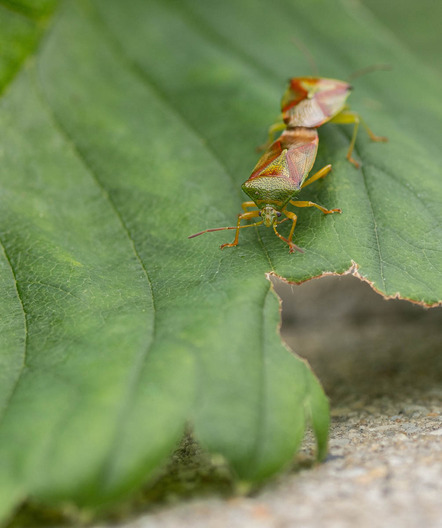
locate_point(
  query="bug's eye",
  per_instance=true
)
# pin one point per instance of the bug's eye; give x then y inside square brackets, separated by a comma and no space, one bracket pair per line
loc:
[278,213]
[260,213]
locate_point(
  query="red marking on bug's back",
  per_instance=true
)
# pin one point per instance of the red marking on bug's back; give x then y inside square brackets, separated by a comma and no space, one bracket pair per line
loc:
[291,156]
[312,101]
[298,90]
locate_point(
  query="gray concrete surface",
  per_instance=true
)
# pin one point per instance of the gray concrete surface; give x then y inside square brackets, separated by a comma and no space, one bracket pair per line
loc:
[381,365]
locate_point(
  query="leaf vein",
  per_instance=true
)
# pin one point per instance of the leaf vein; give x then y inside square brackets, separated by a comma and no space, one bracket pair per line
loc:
[375,228]
[375,225]
[25,324]
[141,74]
[262,387]
[134,377]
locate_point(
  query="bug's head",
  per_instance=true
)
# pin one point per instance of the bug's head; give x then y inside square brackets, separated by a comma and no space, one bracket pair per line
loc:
[270,215]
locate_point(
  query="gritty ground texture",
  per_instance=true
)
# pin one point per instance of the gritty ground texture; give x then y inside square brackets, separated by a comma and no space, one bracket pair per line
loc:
[380,363]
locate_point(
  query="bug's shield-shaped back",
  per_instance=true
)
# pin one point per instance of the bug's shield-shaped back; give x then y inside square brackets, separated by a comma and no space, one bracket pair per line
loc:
[292,156]
[282,169]
[312,101]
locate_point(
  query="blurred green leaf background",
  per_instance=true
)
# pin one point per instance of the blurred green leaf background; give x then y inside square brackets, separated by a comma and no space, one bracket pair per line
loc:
[128,127]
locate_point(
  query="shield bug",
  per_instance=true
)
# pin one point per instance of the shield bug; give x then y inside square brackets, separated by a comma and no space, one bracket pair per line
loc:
[275,182]
[314,101]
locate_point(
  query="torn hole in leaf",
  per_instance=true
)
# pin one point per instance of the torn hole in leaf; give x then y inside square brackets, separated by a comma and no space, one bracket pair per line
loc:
[359,344]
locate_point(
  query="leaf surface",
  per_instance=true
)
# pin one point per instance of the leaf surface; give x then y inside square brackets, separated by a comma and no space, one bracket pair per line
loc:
[131,128]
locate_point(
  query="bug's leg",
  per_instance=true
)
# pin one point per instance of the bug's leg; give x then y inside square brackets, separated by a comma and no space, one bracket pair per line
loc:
[291,216]
[313,204]
[293,247]
[279,126]
[244,216]
[320,174]
[371,134]
[245,206]
[348,117]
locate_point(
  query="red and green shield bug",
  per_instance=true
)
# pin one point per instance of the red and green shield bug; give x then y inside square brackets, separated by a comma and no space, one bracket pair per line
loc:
[280,174]
[313,101]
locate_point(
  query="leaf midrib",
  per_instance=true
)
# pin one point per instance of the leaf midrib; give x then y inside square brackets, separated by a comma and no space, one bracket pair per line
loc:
[25,328]
[136,370]
[131,65]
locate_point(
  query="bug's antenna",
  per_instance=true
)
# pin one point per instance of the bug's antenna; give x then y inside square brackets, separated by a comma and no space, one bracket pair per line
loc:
[369,69]
[223,228]
[306,52]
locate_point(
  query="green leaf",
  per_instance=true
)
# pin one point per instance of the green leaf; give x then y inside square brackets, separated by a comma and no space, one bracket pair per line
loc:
[132,127]
[414,29]
[22,23]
